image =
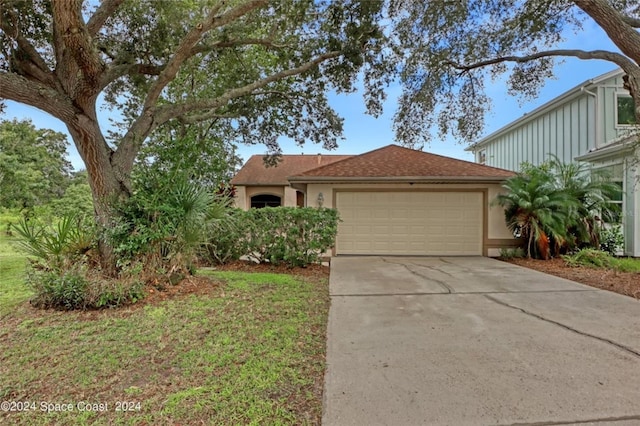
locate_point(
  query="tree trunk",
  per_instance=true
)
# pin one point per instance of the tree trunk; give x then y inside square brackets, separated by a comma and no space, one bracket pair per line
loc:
[107,187]
[632,84]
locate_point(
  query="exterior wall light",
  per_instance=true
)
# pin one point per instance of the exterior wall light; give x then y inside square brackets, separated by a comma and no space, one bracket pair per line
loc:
[320,199]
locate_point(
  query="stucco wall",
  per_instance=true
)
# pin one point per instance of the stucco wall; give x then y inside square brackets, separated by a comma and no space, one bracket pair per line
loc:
[244,194]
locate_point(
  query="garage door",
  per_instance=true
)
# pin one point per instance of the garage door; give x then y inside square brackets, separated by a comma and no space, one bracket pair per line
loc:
[410,223]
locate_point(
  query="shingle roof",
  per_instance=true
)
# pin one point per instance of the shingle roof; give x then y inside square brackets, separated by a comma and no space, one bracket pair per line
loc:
[254,171]
[394,161]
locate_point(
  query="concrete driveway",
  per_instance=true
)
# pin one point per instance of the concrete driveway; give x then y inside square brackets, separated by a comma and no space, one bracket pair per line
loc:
[475,341]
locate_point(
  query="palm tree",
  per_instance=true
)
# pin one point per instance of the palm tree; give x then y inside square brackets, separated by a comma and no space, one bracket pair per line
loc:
[537,211]
[593,190]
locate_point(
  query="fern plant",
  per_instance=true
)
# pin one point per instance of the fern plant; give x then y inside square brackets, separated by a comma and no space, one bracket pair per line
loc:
[58,245]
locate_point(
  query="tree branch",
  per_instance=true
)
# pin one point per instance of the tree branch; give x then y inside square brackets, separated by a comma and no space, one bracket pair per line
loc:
[166,113]
[148,121]
[67,16]
[100,16]
[116,71]
[233,43]
[197,118]
[28,58]
[618,59]
[633,22]
[17,88]
[185,48]
[613,23]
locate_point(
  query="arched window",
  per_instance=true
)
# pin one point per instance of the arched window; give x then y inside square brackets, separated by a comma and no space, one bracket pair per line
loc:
[265,200]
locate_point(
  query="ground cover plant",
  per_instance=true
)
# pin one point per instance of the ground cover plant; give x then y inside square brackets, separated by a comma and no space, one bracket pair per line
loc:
[239,348]
[601,259]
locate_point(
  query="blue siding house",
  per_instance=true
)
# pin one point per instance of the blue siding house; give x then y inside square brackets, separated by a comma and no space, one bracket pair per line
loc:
[593,122]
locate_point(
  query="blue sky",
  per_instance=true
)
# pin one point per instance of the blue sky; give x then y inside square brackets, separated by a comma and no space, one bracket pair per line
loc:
[363,133]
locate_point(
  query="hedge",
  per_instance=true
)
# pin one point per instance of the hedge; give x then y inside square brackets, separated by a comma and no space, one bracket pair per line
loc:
[279,235]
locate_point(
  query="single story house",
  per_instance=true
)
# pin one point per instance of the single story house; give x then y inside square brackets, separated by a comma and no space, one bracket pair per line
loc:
[593,122]
[260,186]
[399,201]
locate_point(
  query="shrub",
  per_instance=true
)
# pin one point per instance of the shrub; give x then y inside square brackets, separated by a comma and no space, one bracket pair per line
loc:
[590,257]
[511,253]
[114,293]
[227,240]
[59,245]
[78,289]
[163,227]
[66,291]
[278,235]
[611,239]
[557,207]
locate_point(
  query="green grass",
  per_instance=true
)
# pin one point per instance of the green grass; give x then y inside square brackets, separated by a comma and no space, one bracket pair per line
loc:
[12,265]
[626,264]
[248,351]
[599,259]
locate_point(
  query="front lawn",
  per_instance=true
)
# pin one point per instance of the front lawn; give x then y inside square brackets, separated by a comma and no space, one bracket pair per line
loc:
[12,288]
[242,348]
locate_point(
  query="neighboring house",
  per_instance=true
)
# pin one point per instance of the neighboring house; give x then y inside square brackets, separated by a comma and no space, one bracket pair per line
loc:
[399,201]
[593,122]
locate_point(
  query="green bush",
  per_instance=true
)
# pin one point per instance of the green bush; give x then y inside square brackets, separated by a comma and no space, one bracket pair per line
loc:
[66,291]
[611,239]
[163,227]
[78,289]
[278,235]
[591,258]
[228,239]
[114,293]
[511,253]
[59,245]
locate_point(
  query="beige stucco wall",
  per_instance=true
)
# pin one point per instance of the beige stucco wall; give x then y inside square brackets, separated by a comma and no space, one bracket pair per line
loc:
[496,227]
[244,193]
[240,199]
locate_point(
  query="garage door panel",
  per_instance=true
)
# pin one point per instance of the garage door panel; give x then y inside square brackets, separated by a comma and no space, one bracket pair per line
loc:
[410,223]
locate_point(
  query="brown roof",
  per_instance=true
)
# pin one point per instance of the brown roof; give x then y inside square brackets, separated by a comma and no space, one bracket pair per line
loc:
[254,172]
[396,162]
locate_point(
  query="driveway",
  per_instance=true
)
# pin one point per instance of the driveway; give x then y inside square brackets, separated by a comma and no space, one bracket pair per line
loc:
[476,341]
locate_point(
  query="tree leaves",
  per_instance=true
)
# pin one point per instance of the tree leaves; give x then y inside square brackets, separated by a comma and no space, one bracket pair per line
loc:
[446,50]
[33,164]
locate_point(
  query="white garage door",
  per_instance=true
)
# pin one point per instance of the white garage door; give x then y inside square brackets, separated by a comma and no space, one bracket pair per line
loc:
[410,223]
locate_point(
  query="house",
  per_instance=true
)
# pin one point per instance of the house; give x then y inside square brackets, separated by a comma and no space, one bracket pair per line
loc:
[593,122]
[260,186]
[399,201]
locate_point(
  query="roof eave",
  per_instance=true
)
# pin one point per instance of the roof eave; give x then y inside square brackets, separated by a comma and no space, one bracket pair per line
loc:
[260,184]
[604,153]
[398,179]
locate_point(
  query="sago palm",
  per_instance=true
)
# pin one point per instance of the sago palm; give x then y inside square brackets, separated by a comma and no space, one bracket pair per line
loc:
[593,191]
[537,211]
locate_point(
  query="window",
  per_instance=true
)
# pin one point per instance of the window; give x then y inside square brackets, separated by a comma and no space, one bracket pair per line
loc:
[616,175]
[265,200]
[482,157]
[625,110]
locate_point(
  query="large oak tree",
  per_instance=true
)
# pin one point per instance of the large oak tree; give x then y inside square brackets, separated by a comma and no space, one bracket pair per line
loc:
[451,48]
[260,68]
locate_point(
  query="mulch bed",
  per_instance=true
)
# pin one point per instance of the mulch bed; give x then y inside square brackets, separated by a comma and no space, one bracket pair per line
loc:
[202,285]
[311,271]
[626,283]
